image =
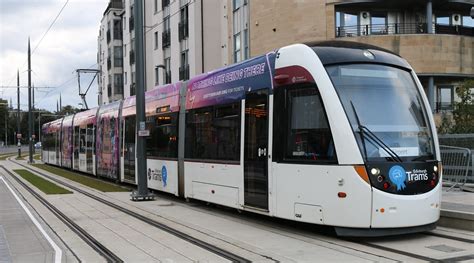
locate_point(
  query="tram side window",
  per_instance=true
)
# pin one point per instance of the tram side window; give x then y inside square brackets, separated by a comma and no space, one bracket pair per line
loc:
[213,133]
[90,138]
[82,141]
[308,136]
[163,141]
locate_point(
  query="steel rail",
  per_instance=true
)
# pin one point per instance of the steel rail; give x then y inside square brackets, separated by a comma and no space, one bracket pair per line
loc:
[90,240]
[195,241]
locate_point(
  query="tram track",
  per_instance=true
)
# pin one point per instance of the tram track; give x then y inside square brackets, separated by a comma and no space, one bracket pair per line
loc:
[81,233]
[186,237]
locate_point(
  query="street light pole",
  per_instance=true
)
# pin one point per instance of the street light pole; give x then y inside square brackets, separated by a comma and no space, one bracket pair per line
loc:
[30,117]
[142,193]
[18,113]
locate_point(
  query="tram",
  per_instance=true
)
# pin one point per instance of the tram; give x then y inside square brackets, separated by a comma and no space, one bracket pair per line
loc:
[334,133]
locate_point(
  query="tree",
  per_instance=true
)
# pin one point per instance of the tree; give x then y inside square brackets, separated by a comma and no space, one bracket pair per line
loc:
[68,110]
[463,114]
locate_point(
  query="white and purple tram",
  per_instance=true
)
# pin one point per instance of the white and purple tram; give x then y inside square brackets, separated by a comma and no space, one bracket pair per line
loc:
[337,134]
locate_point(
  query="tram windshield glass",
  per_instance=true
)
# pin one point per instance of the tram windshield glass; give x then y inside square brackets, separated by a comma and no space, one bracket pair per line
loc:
[383,103]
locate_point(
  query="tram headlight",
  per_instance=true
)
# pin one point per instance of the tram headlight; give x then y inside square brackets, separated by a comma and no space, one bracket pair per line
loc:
[375,171]
[435,168]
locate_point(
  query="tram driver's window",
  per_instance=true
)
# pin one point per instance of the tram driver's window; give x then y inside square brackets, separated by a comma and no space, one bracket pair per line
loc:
[308,134]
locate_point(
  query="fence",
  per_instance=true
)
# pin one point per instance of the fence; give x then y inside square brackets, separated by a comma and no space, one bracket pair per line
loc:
[456,165]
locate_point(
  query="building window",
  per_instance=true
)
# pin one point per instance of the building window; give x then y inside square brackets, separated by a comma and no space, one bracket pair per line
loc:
[236,4]
[166,35]
[118,29]
[184,68]
[125,78]
[118,84]
[156,76]
[183,27]
[237,56]
[124,23]
[213,133]
[246,44]
[167,71]
[378,23]
[445,98]
[118,58]
[156,40]
[164,3]
[155,6]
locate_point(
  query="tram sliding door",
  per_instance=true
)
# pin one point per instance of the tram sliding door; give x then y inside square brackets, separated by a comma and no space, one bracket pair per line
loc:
[256,150]
[129,149]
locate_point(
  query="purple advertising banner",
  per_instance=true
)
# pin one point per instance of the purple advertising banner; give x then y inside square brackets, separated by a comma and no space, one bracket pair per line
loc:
[66,144]
[107,140]
[230,84]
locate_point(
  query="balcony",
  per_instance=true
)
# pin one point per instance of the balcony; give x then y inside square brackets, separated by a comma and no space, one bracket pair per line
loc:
[401,28]
[132,57]
[118,89]
[166,38]
[184,72]
[183,30]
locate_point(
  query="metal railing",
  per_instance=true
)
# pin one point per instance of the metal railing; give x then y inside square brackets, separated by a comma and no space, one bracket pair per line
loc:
[401,28]
[456,165]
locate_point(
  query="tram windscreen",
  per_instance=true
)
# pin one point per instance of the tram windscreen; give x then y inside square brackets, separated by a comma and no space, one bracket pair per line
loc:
[386,101]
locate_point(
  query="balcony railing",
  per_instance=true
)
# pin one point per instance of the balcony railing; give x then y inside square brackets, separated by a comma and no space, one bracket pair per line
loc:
[444,106]
[166,38]
[183,30]
[401,28]
[184,72]
[132,57]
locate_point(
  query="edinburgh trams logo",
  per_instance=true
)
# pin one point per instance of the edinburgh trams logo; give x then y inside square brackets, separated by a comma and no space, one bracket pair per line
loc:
[158,175]
[398,176]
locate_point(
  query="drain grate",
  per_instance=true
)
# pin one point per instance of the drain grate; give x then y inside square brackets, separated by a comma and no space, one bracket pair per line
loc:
[444,248]
[4,250]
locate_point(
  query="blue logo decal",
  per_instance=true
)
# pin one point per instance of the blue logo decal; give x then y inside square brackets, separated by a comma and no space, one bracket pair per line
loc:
[398,176]
[164,175]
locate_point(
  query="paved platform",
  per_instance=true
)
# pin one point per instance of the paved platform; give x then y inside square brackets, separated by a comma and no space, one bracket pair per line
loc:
[21,239]
[457,209]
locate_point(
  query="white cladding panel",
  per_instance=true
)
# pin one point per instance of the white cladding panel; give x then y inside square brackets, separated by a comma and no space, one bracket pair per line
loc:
[344,141]
[319,185]
[405,210]
[82,162]
[163,175]
[219,175]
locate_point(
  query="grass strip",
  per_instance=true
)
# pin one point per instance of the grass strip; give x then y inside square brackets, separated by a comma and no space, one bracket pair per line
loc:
[82,179]
[3,157]
[44,185]
[37,157]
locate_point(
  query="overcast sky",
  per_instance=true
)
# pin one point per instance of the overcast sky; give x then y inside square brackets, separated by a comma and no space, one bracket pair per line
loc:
[70,44]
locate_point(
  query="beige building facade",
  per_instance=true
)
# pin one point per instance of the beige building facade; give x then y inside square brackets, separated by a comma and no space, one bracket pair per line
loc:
[441,51]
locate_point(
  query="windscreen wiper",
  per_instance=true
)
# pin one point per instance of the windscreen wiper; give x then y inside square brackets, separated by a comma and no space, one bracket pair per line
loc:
[374,138]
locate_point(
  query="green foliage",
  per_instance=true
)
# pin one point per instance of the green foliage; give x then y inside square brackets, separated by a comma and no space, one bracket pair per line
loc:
[463,113]
[85,180]
[45,186]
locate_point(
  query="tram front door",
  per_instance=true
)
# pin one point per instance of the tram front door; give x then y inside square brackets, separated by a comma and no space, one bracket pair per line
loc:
[256,150]
[129,150]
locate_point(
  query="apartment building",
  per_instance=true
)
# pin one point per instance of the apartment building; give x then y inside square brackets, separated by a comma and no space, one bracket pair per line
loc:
[436,37]
[183,38]
[110,54]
